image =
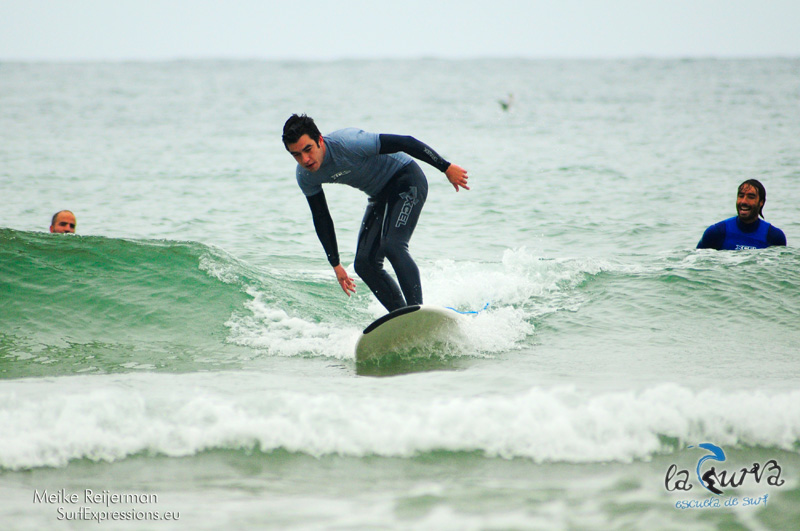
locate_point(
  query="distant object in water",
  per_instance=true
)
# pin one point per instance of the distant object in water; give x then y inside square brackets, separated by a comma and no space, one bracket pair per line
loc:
[506,103]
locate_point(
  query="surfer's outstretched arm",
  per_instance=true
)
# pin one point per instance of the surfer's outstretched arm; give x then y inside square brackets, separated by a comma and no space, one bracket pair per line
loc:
[421,151]
[323,225]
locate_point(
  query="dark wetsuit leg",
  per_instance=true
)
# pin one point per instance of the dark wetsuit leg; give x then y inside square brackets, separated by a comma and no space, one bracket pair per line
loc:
[388,224]
[369,258]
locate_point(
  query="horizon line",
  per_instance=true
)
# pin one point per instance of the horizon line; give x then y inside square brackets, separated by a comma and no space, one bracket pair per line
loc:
[211,58]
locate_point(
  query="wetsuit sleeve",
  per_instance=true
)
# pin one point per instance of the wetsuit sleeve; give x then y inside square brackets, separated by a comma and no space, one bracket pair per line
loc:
[415,148]
[713,237]
[775,236]
[323,224]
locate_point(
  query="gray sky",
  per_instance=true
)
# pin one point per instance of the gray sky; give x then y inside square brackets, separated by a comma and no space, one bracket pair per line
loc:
[322,30]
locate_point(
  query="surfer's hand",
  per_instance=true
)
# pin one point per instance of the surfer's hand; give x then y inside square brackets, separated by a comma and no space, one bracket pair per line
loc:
[457,176]
[347,283]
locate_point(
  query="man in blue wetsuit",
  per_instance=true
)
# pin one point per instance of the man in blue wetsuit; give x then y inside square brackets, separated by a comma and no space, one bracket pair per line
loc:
[378,165]
[745,230]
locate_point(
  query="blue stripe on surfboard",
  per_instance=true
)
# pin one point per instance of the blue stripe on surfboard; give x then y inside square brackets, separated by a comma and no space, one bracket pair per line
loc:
[468,312]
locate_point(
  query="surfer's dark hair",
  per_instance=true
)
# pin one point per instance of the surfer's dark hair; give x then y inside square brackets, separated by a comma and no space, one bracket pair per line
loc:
[297,126]
[762,192]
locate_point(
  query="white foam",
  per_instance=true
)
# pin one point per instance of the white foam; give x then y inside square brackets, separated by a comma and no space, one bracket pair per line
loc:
[220,265]
[518,289]
[49,422]
[272,330]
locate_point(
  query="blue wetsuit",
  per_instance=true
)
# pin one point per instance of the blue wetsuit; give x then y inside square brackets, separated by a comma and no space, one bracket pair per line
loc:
[731,234]
[397,188]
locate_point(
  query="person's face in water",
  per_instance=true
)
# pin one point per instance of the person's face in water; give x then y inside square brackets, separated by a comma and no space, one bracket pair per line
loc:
[64,224]
[307,153]
[748,204]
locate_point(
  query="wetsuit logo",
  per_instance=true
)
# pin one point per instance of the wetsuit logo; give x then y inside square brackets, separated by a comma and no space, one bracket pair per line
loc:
[409,200]
[335,176]
[434,157]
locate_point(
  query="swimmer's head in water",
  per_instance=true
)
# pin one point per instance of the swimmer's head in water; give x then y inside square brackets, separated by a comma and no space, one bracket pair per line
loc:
[63,222]
[750,198]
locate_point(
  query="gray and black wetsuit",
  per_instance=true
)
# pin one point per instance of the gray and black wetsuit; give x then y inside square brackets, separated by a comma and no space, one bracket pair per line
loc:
[397,188]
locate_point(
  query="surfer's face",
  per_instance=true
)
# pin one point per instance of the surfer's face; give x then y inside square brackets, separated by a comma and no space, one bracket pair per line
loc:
[748,204]
[307,153]
[64,223]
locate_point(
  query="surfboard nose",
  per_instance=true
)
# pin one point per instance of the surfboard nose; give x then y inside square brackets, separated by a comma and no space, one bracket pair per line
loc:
[406,328]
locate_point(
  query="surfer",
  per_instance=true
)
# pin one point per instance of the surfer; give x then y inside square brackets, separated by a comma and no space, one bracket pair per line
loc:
[380,166]
[745,230]
[63,222]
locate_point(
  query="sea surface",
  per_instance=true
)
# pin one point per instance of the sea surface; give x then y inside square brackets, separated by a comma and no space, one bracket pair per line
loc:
[188,356]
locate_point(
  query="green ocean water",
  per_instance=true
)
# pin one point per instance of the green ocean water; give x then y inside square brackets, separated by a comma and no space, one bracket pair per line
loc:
[191,342]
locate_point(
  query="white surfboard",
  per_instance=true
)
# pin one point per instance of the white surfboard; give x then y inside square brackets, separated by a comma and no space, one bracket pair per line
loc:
[405,328]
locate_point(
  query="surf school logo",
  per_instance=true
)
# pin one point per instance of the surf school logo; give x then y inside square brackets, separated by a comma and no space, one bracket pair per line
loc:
[409,200]
[714,481]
